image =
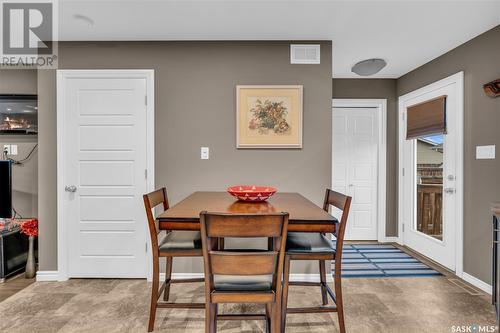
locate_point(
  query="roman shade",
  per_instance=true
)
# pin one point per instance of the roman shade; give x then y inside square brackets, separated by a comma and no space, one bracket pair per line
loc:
[426,118]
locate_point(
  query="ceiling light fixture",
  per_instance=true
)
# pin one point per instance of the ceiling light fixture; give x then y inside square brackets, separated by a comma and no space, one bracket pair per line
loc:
[368,67]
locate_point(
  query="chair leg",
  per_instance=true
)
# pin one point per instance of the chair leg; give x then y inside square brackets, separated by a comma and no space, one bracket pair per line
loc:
[284,301]
[214,318]
[276,317]
[210,318]
[338,296]
[322,276]
[168,277]
[154,295]
[269,313]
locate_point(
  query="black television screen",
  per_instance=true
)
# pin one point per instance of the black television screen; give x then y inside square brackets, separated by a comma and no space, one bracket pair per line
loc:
[5,189]
[18,114]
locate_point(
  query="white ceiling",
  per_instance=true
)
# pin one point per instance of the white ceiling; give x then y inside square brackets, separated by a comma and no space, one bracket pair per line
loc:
[405,33]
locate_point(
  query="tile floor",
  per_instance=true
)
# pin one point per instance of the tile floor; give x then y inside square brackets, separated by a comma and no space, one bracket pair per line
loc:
[387,305]
[13,285]
[430,304]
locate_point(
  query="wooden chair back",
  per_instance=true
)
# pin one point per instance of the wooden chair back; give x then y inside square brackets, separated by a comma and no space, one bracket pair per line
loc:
[151,201]
[342,202]
[216,227]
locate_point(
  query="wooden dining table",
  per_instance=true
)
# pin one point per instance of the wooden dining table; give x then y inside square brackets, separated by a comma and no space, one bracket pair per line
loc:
[305,216]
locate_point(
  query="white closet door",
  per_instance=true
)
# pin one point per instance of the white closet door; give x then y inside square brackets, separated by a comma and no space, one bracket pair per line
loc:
[354,167]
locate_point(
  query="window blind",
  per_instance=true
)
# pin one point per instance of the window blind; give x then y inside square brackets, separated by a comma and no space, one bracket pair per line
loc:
[426,118]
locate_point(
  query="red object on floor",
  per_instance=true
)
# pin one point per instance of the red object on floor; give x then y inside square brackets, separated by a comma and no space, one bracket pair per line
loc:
[251,193]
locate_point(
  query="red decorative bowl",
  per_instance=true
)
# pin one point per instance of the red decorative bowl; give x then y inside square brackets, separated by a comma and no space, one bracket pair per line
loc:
[251,193]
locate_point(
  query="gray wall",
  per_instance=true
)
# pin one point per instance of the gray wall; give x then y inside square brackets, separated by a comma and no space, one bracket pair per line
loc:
[18,81]
[196,81]
[47,171]
[379,89]
[24,178]
[195,106]
[480,61]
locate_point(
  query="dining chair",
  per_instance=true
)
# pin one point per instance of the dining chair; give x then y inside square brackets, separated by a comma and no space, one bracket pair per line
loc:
[243,275]
[168,244]
[317,246]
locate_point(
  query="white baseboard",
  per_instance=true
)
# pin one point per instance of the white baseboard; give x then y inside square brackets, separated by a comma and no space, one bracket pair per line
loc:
[309,277]
[183,276]
[293,277]
[477,283]
[391,239]
[44,276]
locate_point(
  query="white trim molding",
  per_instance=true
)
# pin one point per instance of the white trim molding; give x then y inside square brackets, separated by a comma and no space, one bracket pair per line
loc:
[62,76]
[45,276]
[381,106]
[477,283]
[457,80]
[390,239]
[183,276]
[293,277]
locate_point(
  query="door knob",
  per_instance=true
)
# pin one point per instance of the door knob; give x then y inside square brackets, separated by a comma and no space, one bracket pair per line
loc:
[449,190]
[70,188]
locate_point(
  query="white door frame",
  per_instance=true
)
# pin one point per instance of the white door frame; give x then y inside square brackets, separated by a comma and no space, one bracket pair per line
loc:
[62,76]
[458,80]
[381,106]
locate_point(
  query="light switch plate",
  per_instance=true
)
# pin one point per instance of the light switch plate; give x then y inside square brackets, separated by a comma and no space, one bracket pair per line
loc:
[13,149]
[205,153]
[485,152]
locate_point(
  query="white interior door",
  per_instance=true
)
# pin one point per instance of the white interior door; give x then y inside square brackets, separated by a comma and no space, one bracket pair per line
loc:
[104,161]
[355,167]
[431,177]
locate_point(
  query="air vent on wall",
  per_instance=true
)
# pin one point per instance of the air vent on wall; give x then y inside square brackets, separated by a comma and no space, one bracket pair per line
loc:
[305,53]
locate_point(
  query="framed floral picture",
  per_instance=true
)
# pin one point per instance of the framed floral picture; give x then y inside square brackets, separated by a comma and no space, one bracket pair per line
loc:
[269,116]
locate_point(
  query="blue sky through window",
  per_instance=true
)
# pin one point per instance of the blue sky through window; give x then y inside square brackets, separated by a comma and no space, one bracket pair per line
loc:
[437,139]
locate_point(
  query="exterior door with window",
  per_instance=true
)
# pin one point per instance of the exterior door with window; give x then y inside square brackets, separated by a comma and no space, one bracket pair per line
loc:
[429,150]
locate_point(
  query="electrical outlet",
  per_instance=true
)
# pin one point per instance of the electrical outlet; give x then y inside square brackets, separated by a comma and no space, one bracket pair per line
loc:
[6,149]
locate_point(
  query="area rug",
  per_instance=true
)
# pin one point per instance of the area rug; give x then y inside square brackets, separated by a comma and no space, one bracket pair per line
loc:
[381,260]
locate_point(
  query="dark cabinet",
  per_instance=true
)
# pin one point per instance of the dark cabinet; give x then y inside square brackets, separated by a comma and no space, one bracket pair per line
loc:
[13,250]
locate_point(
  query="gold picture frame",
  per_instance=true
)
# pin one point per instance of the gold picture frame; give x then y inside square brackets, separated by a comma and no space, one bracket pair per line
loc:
[269,116]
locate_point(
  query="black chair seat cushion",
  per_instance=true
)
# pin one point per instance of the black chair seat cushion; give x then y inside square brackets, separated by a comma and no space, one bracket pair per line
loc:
[308,242]
[243,282]
[180,241]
